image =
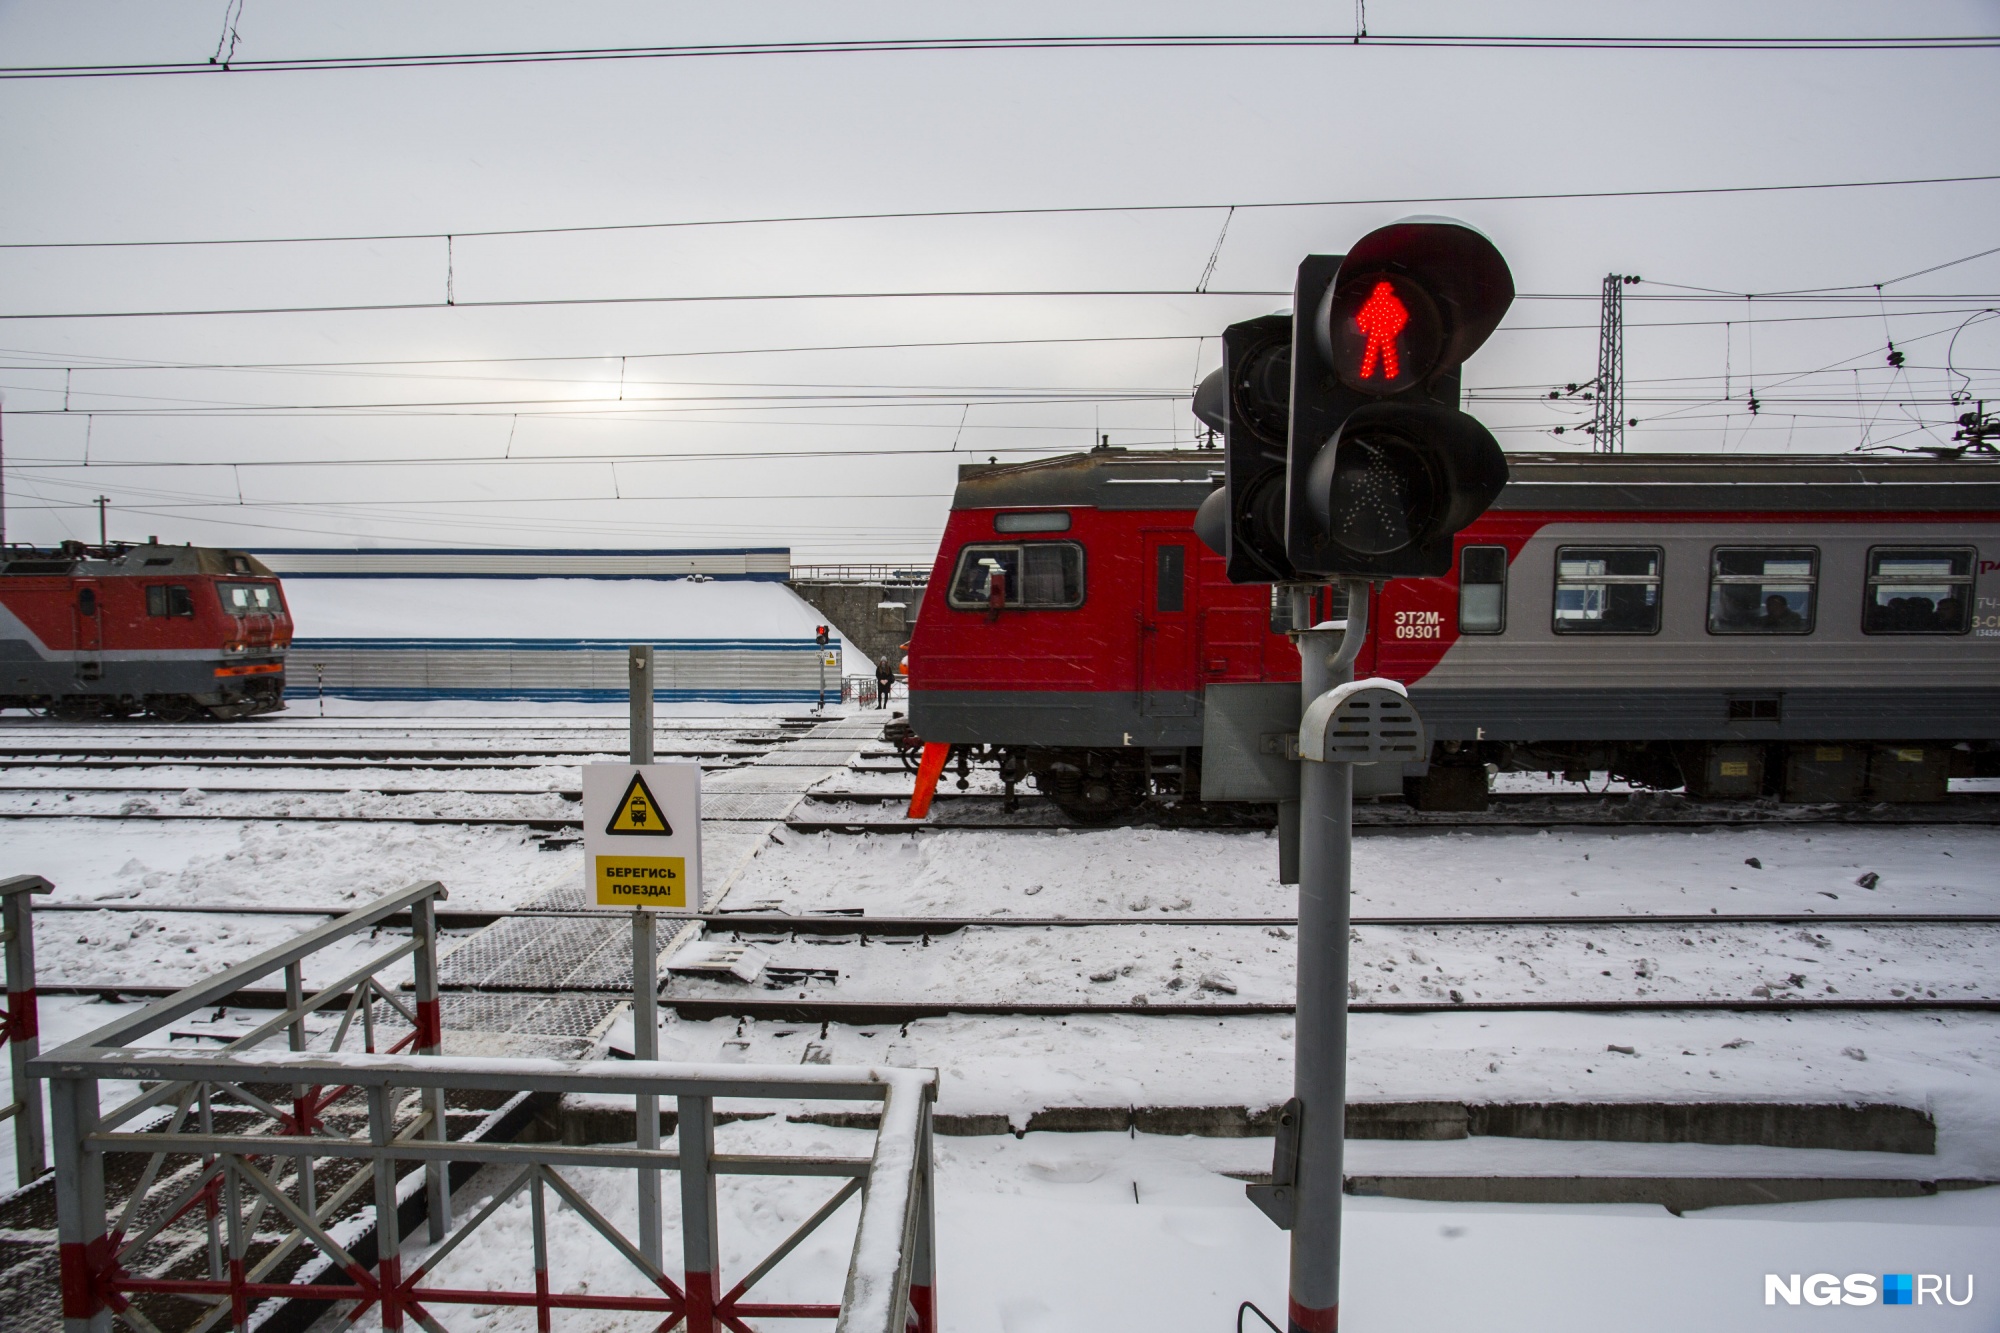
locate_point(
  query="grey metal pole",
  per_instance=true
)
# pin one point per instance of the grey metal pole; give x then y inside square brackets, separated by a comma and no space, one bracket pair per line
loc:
[1319,1045]
[639,665]
[700,1253]
[79,1205]
[17,916]
[645,981]
[430,1041]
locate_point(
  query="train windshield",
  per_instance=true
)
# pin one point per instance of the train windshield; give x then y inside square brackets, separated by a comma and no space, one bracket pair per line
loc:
[1032,574]
[248,599]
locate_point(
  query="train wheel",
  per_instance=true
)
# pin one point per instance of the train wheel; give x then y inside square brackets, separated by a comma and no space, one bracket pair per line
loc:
[171,709]
[1092,786]
[76,710]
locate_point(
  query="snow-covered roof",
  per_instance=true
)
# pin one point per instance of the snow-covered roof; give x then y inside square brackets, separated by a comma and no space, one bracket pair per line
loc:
[761,562]
[614,610]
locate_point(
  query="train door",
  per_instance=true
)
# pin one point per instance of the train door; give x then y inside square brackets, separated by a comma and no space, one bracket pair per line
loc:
[1167,685]
[89,613]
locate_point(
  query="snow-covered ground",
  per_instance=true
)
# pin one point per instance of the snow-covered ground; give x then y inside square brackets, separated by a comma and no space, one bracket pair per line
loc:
[1421,872]
[1110,1231]
[1092,1230]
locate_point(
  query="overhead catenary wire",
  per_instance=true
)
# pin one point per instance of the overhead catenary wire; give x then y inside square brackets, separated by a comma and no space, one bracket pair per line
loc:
[1382,201]
[1051,42]
[725,298]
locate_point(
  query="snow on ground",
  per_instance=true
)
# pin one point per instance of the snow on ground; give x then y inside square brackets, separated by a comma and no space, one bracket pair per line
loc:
[1109,1231]
[1113,872]
[280,865]
[1172,964]
[1949,1063]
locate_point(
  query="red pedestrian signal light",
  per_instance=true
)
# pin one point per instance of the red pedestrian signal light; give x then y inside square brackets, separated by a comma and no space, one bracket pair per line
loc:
[1381,467]
[1383,332]
[820,631]
[1381,318]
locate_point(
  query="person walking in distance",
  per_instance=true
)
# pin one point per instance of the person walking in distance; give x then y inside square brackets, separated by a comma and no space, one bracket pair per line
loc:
[885,679]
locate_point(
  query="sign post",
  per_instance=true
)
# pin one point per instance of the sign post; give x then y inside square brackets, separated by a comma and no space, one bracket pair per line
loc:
[1319,1043]
[642,849]
[821,637]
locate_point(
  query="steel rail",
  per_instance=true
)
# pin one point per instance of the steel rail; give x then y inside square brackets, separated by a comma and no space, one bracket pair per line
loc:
[1380,827]
[837,923]
[890,1012]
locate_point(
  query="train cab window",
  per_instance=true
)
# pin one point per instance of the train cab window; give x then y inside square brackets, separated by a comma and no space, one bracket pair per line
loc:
[169,599]
[1607,590]
[244,599]
[1482,590]
[1032,575]
[1915,591]
[1767,590]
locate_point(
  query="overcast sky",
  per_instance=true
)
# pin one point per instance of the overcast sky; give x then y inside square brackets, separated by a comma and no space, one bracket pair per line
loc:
[728,437]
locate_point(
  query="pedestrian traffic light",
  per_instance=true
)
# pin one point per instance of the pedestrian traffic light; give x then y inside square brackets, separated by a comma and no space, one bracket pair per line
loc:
[1382,469]
[820,635]
[1248,401]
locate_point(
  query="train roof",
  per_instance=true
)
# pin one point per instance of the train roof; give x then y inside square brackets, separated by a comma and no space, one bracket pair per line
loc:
[1541,482]
[122,559]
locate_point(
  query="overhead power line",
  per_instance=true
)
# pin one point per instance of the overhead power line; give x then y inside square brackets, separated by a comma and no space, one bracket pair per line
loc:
[1180,293]
[936,45]
[1048,211]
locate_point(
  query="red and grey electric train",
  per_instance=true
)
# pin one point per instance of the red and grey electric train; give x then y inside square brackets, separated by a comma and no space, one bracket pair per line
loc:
[176,632]
[1820,628]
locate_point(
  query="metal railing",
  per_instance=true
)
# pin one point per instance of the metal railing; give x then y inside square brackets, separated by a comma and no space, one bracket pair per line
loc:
[858,574]
[239,1201]
[20,1022]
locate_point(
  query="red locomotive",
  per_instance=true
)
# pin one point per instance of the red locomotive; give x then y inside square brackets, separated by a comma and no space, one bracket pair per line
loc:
[175,632]
[1823,628]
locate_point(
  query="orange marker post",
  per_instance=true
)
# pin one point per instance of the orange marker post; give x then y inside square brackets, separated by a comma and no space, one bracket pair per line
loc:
[929,769]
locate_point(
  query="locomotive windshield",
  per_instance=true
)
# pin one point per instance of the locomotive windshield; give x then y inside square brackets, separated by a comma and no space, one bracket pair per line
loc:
[246,599]
[1032,574]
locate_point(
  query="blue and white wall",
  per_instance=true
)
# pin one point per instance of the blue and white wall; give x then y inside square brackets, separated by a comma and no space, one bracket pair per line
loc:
[548,625]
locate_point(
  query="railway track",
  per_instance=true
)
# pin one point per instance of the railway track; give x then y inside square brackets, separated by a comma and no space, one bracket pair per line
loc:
[1967,812]
[855,923]
[864,1013]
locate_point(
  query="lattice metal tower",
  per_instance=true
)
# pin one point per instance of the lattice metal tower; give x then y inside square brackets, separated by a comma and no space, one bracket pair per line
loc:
[1607,428]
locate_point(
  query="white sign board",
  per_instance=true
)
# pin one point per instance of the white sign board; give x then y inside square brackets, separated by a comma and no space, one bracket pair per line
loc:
[642,835]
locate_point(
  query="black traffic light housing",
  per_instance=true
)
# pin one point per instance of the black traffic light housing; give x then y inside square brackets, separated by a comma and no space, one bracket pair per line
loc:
[820,635]
[1382,469]
[1248,401]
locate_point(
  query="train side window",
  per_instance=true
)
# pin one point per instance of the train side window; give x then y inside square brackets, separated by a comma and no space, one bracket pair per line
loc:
[169,599]
[1607,590]
[86,602]
[1482,590]
[1770,590]
[1033,575]
[1170,579]
[1917,591]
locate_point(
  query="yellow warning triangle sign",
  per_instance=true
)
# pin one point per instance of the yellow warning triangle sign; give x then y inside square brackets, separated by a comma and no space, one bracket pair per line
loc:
[638,812]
